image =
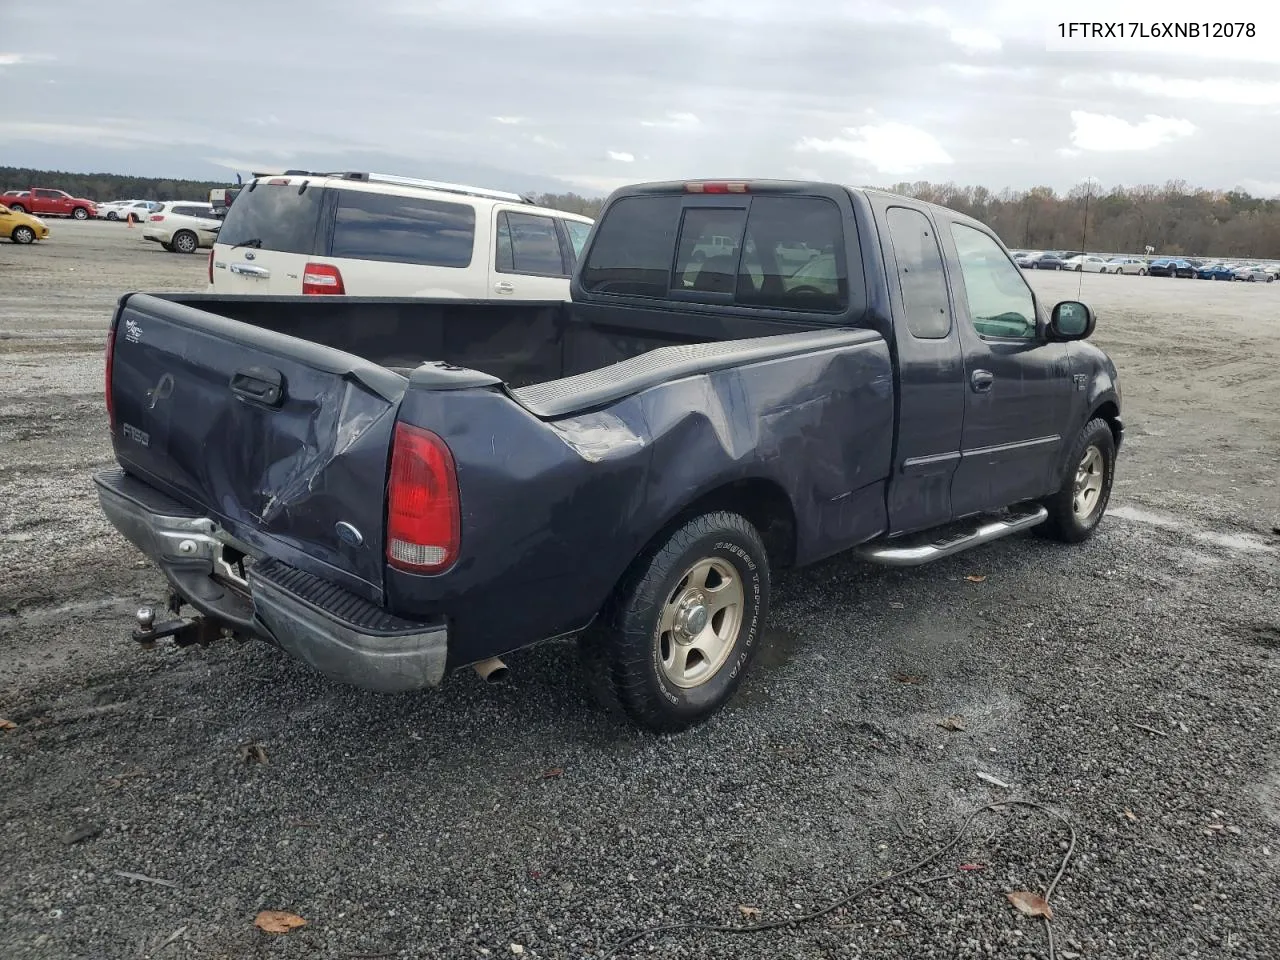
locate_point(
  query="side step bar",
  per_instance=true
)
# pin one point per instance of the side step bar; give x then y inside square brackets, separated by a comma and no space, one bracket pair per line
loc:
[914,552]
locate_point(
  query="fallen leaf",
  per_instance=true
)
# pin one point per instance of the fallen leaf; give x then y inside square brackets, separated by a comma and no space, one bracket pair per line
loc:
[553,773]
[972,866]
[1130,814]
[994,781]
[1031,904]
[906,678]
[952,723]
[253,753]
[749,912]
[278,921]
[8,725]
[975,578]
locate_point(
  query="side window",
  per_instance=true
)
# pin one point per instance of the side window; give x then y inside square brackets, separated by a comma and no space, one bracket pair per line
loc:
[631,253]
[920,276]
[1000,302]
[707,255]
[529,244]
[396,229]
[577,235]
[794,255]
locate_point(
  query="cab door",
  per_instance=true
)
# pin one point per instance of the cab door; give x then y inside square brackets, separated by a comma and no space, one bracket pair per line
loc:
[529,259]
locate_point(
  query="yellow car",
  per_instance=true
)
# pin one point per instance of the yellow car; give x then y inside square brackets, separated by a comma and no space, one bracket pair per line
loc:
[21,227]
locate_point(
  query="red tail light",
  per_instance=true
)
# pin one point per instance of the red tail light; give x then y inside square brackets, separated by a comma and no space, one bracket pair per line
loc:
[322,278]
[423,513]
[111,353]
[211,264]
[736,187]
[156,217]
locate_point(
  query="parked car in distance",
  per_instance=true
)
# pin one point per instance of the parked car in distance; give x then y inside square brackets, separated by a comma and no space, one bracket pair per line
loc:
[394,488]
[182,226]
[1217,271]
[45,202]
[21,228]
[120,209]
[365,235]
[1171,267]
[1133,265]
[1254,273]
[1026,259]
[1085,263]
[1049,261]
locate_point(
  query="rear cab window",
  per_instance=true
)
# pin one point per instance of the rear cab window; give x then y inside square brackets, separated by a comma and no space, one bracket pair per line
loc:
[778,251]
[275,216]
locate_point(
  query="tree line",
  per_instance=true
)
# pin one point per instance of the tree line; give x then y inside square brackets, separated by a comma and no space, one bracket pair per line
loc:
[1175,219]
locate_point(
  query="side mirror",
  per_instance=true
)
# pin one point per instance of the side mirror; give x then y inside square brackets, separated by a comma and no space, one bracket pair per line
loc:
[1071,320]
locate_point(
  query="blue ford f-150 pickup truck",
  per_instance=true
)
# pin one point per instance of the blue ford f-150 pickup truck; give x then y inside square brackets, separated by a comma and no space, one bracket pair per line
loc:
[393,489]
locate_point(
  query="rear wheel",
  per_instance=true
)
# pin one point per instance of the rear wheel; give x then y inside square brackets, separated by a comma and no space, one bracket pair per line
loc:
[1142,271]
[1077,508]
[17,208]
[184,241]
[80,213]
[23,234]
[681,629]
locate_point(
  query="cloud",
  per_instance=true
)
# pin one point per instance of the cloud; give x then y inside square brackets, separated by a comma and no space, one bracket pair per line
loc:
[674,121]
[892,148]
[1226,90]
[510,121]
[621,156]
[975,41]
[541,141]
[1106,133]
[18,59]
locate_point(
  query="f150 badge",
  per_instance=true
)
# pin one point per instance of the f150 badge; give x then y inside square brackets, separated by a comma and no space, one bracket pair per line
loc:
[140,437]
[1081,380]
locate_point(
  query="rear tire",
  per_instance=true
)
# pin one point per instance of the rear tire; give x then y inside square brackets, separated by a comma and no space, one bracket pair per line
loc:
[23,234]
[1142,271]
[17,208]
[680,630]
[80,213]
[184,241]
[1077,508]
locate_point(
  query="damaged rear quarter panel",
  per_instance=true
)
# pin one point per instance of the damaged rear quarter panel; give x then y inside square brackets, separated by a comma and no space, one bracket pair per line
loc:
[553,512]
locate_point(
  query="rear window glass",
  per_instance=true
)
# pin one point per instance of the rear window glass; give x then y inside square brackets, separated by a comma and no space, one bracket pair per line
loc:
[707,256]
[793,256]
[274,217]
[633,247]
[397,229]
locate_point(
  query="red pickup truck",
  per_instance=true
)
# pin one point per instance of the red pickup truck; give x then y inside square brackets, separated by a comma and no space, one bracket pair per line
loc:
[42,201]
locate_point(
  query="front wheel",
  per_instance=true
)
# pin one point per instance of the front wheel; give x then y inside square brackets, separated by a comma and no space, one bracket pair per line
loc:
[112,215]
[80,213]
[1142,272]
[681,629]
[23,234]
[1077,508]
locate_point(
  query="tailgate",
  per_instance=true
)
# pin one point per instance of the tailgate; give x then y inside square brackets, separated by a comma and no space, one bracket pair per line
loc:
[283,441]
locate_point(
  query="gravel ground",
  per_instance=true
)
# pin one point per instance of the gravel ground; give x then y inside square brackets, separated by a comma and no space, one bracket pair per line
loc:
[1129,684]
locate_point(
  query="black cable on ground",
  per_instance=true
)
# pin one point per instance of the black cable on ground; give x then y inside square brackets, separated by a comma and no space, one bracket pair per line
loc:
[883,881]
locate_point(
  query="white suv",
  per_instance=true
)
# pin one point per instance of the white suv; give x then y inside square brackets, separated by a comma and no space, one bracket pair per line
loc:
[182,226]
[375,235]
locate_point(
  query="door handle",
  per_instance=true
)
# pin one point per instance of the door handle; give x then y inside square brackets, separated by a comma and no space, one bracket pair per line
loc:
[981,381]
[250,270]
[259,385]
[504,286]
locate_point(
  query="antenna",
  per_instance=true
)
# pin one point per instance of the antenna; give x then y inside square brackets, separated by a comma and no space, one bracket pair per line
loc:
[1084,233]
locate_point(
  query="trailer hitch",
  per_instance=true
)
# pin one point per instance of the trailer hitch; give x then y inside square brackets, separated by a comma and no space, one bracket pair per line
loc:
[184,630]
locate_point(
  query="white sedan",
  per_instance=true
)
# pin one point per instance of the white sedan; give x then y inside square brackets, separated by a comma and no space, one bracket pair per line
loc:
[1085,264]
[1134,265]
[182,227]
[1255,273]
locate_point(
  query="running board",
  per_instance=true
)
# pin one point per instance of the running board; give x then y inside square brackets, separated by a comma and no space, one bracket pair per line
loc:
[919,551]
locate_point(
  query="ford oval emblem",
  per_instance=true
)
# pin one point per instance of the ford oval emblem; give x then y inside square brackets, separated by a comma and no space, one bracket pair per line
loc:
[250,255]
[348,534]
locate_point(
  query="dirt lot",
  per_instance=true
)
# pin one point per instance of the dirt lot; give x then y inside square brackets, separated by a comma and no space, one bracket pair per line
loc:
[1130,684]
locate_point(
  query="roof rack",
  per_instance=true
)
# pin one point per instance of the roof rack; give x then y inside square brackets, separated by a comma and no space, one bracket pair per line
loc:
[388,178]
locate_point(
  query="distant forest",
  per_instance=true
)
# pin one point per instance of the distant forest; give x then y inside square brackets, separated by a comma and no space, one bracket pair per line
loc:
[1175,219]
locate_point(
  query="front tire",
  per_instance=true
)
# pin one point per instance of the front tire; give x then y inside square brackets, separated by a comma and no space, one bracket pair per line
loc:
[80,213]
[23,234]
[112,215]
[1077,508]
[682,627]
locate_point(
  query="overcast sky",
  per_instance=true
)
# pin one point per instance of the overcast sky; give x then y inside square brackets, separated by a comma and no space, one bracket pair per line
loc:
[576,94]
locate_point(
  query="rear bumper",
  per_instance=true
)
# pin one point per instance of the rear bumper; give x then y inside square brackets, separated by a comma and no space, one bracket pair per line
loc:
[344,636]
